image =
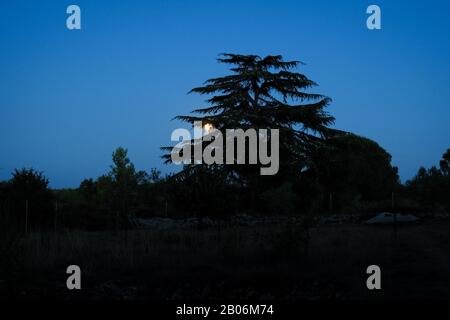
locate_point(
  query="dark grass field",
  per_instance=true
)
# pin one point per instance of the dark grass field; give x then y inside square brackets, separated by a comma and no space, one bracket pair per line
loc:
[263,262]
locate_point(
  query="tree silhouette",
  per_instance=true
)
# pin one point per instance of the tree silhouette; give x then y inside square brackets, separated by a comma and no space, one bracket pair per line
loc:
[29,188]
[264,93]
[354,169]
[431,187]
[124,182]
[445,163]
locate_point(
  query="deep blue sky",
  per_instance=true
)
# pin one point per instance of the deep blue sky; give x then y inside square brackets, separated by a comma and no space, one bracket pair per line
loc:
[68,98]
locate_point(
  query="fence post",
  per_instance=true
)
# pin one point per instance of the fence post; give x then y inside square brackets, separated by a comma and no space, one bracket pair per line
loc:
[165,208]
[26,216]
[56,212]
[116,222]
[395,215]
[331,204]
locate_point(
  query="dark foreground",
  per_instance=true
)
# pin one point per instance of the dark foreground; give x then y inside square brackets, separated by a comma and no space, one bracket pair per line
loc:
[261,262]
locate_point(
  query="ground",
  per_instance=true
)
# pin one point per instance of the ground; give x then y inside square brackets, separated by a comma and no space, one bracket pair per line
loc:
[260,262]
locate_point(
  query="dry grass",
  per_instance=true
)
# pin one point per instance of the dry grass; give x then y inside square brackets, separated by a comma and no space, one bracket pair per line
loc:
[264,262]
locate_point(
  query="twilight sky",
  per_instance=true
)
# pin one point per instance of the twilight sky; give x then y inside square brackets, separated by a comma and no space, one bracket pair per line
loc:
[69,98]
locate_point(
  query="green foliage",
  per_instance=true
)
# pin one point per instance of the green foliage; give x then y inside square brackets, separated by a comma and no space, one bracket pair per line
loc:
[88,190]
[28,189]
[28,184]
[264,93]
[119,193]
[355,170]
[259,93]
[431,187]
[124,182]
[280,200]
[445,163]
[203,191]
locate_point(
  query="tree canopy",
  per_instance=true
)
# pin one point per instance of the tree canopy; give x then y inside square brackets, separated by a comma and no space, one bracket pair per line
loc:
[265,93]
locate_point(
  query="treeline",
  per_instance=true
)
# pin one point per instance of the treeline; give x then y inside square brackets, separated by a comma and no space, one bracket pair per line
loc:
[431,187]
[321,169]
[351,174]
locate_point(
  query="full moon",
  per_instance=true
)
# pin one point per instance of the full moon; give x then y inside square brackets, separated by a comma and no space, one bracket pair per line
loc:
[208,127]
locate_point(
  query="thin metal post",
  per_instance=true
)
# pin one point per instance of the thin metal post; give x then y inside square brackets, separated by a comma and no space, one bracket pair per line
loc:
[56,212]
[331,204]
[26,216]
[395,215]
[166,208]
